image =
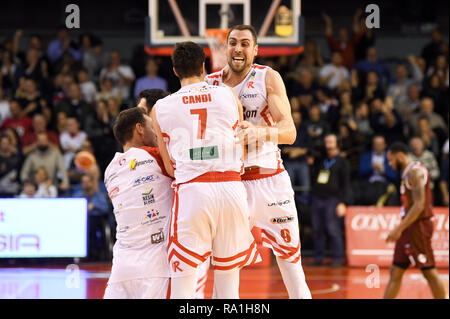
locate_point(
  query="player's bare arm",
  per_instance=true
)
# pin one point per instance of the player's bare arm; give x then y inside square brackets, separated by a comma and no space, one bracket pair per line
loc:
[416,180]
[279,108]
[162,145]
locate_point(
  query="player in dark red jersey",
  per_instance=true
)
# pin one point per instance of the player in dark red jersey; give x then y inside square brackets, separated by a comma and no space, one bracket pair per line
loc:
[412,236]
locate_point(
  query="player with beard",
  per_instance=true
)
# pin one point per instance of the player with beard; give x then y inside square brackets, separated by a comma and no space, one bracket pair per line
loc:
[140,191]
[413,235]
[268,122]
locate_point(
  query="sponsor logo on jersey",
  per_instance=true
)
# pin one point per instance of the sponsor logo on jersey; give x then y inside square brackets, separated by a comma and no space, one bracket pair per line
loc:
[144,179]
[282,220]
[122,161]
[158,237]
[249,113]
[249,96]
[279,203]
[133,164]
[152,216]
[113,193]
[148,197]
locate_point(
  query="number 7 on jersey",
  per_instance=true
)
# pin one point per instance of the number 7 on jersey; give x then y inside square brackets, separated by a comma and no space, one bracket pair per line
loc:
[202,116]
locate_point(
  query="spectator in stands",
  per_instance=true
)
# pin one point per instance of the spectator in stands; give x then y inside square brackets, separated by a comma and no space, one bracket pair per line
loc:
[443,181]
[398,90]
[311,62]
[433,89]
[74,105]
[440,69]
[151,80]
[29,140]
[362,121]
[113,110]
[61,122]
[317,128]
[8,71]
[99,131]
[29,190]
[87,87]
[107,90]
[98,208]
[331,193]
[9,168]
[433,49]
[295,155]
[344,44]
[303,92]
[371,63]
[329,107]
[428,137]
[5,111]
[30,100]
[369,90]
[437,123]
[385,120]
[350,146]
[121,75]
[95,59]
[19,122]
[71,140]
[45,188]
[375,173]
[420,154]
[48,157]
[410,105]
[62,46]
[331,75]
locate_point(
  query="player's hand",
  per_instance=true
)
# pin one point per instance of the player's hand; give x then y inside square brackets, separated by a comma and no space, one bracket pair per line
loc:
[394,235]
[247,133]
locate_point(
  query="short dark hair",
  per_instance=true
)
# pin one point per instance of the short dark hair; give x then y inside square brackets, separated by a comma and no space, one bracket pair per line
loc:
[244,27]
[187,59]
[398,147]
[151,96]
[126,122]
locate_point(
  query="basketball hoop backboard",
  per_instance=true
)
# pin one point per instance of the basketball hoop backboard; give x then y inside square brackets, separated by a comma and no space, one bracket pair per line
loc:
[279,23]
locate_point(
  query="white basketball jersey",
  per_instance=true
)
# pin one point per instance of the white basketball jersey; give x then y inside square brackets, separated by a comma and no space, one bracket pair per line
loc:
[198,124]
[253,95]
[141,194]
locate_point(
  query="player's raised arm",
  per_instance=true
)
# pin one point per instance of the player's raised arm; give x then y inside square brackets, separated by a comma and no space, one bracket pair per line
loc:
[161,144]
[279,108]
[417,181]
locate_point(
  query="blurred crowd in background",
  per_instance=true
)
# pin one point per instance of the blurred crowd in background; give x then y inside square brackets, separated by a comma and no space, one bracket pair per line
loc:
[62,97]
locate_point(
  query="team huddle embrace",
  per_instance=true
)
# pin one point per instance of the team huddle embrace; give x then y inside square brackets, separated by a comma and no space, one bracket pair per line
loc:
[198,174]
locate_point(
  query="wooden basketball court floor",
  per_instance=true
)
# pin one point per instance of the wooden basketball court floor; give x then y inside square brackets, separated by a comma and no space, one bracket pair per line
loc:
[90,280]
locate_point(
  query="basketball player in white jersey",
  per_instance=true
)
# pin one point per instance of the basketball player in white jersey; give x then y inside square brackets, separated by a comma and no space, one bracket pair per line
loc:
[146,100]
[141,193]
[268,122]
[196,129]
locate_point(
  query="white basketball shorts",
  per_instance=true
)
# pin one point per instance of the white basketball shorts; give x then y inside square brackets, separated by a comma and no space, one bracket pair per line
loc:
[146,288]
[272,209]
[210,217]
